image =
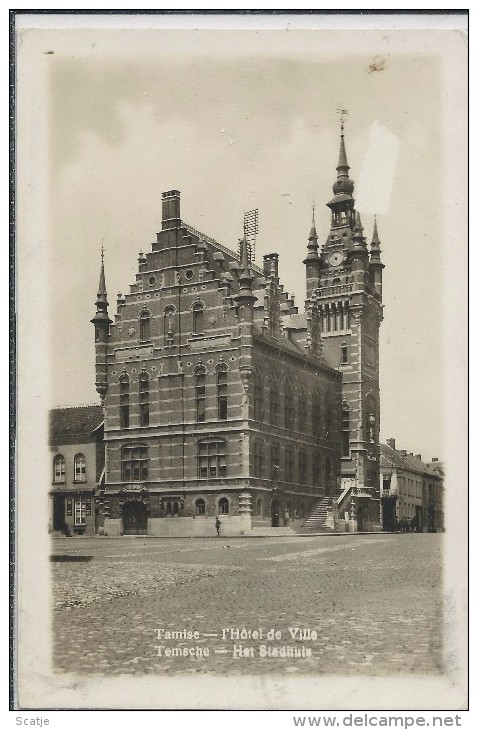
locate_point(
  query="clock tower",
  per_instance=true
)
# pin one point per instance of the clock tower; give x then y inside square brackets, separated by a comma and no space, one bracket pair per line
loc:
[345,282]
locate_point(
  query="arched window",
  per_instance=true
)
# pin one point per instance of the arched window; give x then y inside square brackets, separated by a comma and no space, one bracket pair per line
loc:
[144,326]
[212,459]
[200,394]
[344,354]
[345,430]
[59,469]
[200,507]
[124,402]
[198,319]
[221,380]
[168,326]
[134,463]
[259,507]
[80,468]
[144,399]
[223,506]
[274,404]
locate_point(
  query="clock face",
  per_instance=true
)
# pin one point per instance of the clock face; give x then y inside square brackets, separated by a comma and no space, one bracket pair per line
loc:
[336,258]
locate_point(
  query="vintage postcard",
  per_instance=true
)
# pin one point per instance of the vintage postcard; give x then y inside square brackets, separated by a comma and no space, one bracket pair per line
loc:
[241,247]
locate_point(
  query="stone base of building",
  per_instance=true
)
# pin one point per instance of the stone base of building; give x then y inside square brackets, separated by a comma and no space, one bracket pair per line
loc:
[185,526]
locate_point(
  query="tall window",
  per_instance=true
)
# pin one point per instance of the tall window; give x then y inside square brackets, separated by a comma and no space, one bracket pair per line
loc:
[315,414]
[200,394]
[302,412]
[258,397]
[345,430]
[212,459]
[80,468]
[275,462]
[223,506]
[288,407]
[144,399]
[134,461]
[59,469]
[124,402]
[144,326]
[200,507]
[274,404]
[289,465]
[302,467]
[344,354]
[221,381]
[316,463]
[198,319]
[258,459]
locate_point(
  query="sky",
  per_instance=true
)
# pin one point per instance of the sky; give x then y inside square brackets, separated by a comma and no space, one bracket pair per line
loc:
[248,119]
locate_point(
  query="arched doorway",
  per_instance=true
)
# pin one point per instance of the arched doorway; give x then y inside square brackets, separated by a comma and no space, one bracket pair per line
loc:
[135,518]
[275,513]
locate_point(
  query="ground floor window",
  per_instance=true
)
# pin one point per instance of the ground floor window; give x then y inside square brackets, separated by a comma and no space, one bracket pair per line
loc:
[81,508]
[223,506]
[200,507]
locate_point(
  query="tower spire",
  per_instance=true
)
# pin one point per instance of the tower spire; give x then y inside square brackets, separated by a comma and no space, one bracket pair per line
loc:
[313,231]
[375,242]
[101,298]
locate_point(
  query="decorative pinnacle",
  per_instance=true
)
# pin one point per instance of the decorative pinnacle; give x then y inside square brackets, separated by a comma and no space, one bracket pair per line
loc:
[375,238]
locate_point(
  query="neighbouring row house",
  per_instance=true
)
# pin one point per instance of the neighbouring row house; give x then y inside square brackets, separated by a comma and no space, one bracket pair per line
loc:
[412,491]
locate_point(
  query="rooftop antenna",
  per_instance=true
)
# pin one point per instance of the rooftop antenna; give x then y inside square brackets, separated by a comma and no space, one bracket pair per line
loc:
[251,228]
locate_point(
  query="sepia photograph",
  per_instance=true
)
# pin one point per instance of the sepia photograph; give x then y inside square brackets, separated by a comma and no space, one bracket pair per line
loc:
[241,250]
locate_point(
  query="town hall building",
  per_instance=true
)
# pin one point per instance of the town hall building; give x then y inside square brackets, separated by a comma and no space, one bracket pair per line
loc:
[222,400]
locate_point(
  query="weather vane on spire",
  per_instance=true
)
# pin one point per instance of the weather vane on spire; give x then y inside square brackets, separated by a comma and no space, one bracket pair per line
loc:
[342,114]
[102,252]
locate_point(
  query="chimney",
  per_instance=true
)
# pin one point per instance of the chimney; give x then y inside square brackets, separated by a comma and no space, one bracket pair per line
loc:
[171,210]
[418,456]
[391,443]
[271,265]
[435,458]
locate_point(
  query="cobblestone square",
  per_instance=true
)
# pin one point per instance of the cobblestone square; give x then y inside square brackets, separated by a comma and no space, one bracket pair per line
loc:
[364,604]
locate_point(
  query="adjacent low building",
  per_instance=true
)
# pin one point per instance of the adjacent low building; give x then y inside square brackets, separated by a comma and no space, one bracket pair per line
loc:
[411,491]
[77,465]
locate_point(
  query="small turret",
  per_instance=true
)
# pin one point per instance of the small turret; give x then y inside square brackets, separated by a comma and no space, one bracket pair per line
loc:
[358,253]
[312,261]
[101,322]
[245,297]
[375,264]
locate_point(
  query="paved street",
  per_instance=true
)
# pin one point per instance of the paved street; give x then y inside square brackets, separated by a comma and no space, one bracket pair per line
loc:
[372,605]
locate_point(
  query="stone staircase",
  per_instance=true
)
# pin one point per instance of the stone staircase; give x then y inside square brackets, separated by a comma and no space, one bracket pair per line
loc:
[317,518]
